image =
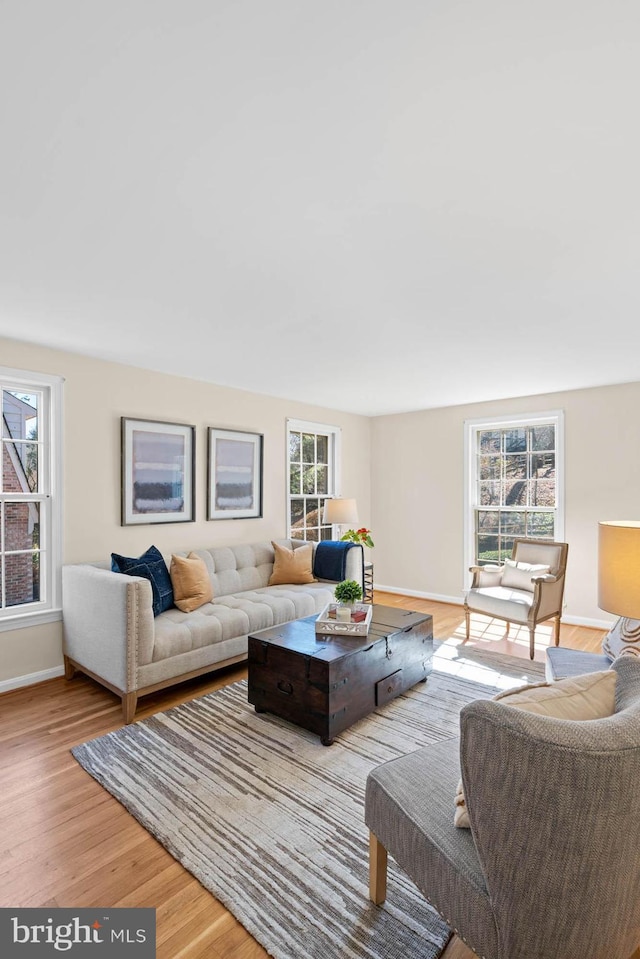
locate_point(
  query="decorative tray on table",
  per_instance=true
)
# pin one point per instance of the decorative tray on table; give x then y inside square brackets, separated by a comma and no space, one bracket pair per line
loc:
[356,625]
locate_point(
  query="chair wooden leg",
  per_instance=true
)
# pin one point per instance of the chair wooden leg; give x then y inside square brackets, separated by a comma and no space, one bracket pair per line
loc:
[508,627]
[467,621]
[377,870]
[557,631]
[532,641]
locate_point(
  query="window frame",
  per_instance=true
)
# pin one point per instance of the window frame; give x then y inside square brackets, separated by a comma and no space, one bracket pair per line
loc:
[472,428]
[334,434]
[47,609]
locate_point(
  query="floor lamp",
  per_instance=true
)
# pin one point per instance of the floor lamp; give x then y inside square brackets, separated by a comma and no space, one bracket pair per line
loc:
[619,568]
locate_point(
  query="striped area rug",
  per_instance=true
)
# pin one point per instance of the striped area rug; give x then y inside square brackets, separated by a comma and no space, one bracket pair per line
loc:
[271,822]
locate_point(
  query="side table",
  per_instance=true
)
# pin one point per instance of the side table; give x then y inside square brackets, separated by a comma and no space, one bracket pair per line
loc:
[368,583]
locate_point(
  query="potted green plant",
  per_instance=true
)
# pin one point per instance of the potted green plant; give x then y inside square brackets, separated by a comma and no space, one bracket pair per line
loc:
[361,536]
[348,592]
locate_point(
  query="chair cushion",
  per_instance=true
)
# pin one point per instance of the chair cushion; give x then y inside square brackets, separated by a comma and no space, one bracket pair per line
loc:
[292,566]
[561,662]
[500,601]
[408,807]
[190,580]
[623,639]
[518,575]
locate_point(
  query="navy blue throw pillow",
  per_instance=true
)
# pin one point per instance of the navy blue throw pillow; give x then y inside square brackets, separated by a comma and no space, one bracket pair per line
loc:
[152,566]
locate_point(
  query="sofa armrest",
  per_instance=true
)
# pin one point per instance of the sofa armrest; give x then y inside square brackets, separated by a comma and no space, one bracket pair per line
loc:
[108,624]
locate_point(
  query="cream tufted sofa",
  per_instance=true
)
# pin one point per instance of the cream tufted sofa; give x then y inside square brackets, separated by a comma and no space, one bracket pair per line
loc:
[110,632]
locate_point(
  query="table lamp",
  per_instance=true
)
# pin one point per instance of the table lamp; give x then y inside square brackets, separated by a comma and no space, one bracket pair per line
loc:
[619,568]
[340,512]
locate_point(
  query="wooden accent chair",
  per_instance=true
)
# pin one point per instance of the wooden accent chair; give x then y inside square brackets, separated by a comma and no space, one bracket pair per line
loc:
[550,868]
[528,589]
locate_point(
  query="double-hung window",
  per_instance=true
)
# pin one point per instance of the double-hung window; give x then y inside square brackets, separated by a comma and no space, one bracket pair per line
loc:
[30,498]
[313,451]
[514,483]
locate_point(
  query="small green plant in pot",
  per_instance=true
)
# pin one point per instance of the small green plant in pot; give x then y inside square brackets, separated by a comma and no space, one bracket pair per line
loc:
[348,592]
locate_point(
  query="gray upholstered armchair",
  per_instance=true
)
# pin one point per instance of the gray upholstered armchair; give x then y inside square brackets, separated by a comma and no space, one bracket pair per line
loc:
[550,868]
[527,590]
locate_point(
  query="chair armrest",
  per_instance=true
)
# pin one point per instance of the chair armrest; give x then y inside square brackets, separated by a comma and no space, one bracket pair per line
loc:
[546,578]
[486,576]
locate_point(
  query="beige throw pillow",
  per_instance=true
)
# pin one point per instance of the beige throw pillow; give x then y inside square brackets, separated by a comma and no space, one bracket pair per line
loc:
[518,575]
[592,696]
[190,580]
[292,566]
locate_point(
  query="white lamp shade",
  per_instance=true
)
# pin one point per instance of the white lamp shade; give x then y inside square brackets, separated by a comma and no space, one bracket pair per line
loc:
[343,512]
[619,568]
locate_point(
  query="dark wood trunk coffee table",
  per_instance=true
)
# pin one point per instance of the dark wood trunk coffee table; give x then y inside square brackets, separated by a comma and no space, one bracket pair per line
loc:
[325,683]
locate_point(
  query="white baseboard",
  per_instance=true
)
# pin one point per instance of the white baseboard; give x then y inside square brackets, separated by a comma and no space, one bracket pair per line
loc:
[458,601]
[30,679]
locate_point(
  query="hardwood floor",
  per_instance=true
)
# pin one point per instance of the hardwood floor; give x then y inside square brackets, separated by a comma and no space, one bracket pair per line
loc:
[67,842]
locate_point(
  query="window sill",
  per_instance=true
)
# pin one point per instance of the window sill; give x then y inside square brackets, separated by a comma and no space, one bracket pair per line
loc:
[34,618]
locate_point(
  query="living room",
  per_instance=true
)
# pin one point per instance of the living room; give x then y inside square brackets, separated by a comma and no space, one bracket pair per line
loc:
[148,297]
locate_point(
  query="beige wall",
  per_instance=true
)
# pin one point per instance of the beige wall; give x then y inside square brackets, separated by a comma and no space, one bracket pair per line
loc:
[96,395]
[418,489]
[406,471]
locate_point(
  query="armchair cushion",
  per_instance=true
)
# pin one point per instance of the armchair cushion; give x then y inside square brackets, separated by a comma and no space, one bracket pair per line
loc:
[623,639]
[518,575]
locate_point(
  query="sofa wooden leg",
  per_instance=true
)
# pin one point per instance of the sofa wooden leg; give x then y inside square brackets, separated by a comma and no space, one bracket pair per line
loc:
[129,703]
[377,870]
[69,668]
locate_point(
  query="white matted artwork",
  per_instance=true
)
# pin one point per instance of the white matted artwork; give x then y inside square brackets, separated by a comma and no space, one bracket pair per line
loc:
[157,472]
[234,474]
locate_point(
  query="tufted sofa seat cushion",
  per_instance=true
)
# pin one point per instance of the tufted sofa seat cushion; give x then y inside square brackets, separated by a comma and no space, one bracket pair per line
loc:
[236,615]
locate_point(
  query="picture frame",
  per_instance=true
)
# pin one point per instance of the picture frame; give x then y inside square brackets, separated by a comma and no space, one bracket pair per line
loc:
[234,474]
[158,472]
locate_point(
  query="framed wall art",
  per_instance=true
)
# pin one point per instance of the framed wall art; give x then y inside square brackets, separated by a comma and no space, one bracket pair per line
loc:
[234,474]
[158,472]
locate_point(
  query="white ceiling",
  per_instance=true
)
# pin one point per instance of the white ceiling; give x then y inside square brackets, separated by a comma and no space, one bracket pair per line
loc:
[371,205]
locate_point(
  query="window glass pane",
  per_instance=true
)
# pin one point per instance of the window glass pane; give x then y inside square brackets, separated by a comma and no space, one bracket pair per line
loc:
[490,467]
[489,441]
[515,441]
[543,437]
[308,448]
[488,549]
[490,493]
[311,513]
[309,479]
[297,512]
[322,479]
[20,468]
[322,454]
[297,534]
[515,467]
[513,523]
[19,415]
[22,578]
[21,526]
[514,493]
[542,464]
[294,479]
[295,447]
[312,535]
[541,524]
[488,521]
[543,493]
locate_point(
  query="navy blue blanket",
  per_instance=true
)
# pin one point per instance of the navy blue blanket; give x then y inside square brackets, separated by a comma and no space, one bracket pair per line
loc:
[330,561]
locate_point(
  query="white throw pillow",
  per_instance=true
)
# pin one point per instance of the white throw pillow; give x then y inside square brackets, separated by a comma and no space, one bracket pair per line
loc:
[623,639]
[518,575]
[592,696]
